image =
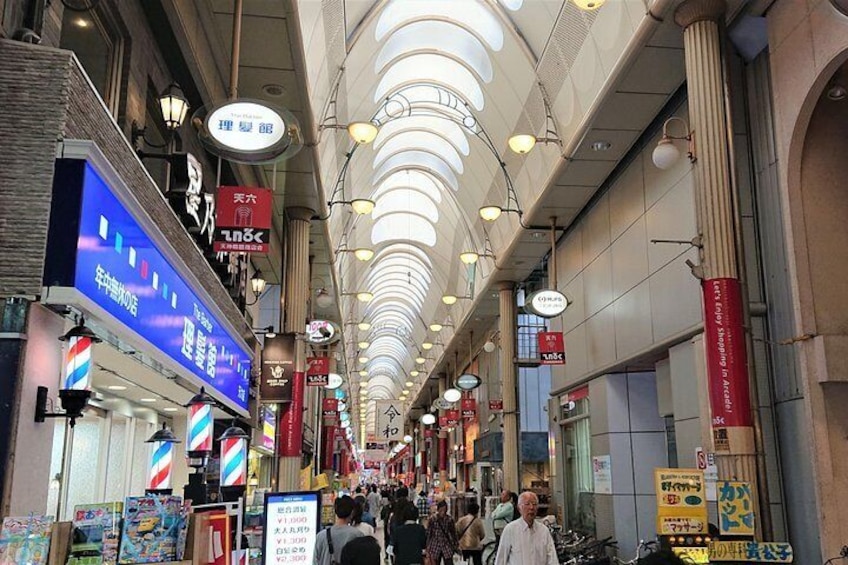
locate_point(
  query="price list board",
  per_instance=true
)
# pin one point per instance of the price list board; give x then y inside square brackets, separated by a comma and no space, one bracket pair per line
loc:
[291,525]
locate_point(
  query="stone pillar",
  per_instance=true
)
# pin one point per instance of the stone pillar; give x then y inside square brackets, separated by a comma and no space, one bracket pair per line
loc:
[511,437]
[724,336]
[295,308]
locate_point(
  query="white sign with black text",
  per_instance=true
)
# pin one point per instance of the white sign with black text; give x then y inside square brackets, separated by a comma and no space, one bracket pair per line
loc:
[390,420]
[291,526]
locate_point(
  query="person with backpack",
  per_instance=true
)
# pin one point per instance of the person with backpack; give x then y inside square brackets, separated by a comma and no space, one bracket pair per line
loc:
[470,533]
[330,542]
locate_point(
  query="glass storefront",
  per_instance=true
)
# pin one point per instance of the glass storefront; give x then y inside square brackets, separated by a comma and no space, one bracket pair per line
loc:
[577,450]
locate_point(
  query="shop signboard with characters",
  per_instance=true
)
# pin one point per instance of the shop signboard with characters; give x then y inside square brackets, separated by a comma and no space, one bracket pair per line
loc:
[107,257]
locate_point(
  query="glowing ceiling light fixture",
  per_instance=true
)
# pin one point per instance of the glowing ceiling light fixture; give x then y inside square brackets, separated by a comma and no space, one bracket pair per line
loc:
[362,253]
[428,419]
[363,326]
[469,257]
[420,360]
[364,297]
[409,384]
[363,373]
[452,395]
[589,5]
[449,299]
[362,206]
[363,359]
[490,213]
[362,132]
[522,143]
[426,346]
[363,345]
[414,373]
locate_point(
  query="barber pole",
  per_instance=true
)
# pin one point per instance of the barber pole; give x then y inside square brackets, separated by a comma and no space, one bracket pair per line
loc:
[161,466]
[200,428]
[78,363]
[233,462]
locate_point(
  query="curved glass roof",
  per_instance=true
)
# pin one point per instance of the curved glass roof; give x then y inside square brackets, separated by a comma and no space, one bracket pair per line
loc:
[425,70]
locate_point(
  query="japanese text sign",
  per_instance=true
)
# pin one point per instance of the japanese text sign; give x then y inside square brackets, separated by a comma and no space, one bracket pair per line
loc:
[103,247]
[496,405]
[551,348]
[751,551]
[291,526]
[469,408]
[269,428]
[389,420]
[681,501]
[318,373]
[243,219]
[330,408]
[735,508]
[277,369]
[452,418]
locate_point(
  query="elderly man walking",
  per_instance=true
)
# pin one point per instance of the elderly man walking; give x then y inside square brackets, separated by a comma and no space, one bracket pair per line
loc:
[526,541]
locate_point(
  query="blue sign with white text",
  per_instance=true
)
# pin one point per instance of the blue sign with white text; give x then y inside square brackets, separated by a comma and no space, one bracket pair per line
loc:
[122,270]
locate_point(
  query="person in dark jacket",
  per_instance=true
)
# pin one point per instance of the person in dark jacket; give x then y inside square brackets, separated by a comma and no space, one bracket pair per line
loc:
[361,551]
[409,538]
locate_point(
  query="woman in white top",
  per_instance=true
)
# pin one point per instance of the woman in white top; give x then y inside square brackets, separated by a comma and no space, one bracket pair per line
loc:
[356,519]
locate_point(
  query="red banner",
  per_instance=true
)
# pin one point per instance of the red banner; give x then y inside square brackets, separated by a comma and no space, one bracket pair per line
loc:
[496,405]
[330,408]
[443,422]
[452,418]
[328,447]
[429,433]
[443,454]
[318,372]
[469,408]
[291,422]
[727,363]
[243,219]
[551,348]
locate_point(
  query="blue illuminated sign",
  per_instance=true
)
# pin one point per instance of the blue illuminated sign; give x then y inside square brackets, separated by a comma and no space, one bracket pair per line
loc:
[122,270]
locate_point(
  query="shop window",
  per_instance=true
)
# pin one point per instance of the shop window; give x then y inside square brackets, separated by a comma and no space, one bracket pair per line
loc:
[95,40]
[116,475]
[83,478]
[529,326]
[577,455]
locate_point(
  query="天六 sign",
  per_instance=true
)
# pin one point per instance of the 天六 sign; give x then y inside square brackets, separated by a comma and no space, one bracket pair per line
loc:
[551,348]
[243,219]
[318,372]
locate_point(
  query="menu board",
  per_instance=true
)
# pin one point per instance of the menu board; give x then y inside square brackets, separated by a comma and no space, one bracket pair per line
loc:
[681,501]
[291,525]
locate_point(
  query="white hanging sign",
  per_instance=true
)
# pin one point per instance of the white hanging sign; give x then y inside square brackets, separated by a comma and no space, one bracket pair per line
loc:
[389,420]
[546,303]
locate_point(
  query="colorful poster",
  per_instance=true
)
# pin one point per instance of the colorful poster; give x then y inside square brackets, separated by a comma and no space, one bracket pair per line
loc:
[269,428]
[727,364]
[25,540]
[751,551]
[243,219]
[602,474]
[551,348]
[151,529]
[291,526]
[735,508]
[681,501]
[96,529]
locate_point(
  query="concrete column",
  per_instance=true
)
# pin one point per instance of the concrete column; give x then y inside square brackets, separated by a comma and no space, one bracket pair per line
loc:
[511,437]
[295,308]
[443,435]
[724,340]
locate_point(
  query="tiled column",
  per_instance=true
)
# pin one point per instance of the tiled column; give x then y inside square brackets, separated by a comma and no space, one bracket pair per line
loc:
[511,438]
[295,308]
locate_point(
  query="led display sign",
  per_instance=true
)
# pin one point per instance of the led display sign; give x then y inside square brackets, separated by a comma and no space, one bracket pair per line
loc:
[98,247]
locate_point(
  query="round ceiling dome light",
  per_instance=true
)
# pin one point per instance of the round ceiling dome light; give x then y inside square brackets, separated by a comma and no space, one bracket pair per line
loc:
[428,419]
[523,143]
[449,299]
[436,327]
[362,206]
[363,326]
[363,253]
[364,296]
[490,213]
[489,346]
[589,5]
[469,257]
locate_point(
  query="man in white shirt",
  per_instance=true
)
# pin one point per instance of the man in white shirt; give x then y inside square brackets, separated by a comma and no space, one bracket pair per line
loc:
[526,541]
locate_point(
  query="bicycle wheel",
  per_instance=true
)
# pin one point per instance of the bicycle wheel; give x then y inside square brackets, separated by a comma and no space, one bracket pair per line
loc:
[489,553]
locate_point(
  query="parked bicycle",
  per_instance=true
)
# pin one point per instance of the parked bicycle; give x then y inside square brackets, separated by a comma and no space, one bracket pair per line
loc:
[643,549]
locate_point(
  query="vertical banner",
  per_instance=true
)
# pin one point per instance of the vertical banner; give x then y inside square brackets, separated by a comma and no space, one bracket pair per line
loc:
[277,369]
[735,509]
[269,428]
[330,408]
[389,420]
[469,408]
[291,422]
[551,348]
[318,372]
[452,418]
[727,364]
[243,219]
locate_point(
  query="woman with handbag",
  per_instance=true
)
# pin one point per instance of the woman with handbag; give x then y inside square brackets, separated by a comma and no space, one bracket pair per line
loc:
[470,533]
[441,536]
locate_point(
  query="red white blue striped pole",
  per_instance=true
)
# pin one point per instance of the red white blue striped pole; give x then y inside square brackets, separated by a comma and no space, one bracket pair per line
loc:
[233,462]
[200,425]
[161,466]
[78,363]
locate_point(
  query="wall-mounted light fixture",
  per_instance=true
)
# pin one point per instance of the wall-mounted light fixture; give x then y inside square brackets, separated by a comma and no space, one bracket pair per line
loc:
[360,132]
[362,296]
[76,388]
[173,107]
[471,257]
[666,153]
[257,286]
[451,299]
[362,253]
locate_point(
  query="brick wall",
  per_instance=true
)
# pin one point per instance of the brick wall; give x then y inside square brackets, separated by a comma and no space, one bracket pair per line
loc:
[44,95]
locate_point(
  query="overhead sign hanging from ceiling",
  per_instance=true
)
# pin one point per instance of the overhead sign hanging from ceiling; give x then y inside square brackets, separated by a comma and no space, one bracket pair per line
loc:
[248,131]
[322,332]
[468,381]
[546,303]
